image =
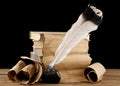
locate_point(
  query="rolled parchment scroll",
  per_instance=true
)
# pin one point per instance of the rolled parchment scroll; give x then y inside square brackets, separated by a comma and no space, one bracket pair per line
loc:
[26,71]
[15,69]
[25,74]
[95,72]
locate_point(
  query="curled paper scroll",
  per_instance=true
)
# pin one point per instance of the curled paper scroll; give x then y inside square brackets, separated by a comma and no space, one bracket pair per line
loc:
[13,71]
[95,72]
[26,71]
[25,74]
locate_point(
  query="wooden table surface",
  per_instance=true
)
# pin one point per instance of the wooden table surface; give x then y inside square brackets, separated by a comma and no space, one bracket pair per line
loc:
[111,78]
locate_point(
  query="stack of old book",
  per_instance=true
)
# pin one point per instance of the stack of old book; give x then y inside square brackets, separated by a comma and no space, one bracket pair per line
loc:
[75,62]
[38,42]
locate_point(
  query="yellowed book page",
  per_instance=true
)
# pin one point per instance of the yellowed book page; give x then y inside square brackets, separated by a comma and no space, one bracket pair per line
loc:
[38,51]
[38,44]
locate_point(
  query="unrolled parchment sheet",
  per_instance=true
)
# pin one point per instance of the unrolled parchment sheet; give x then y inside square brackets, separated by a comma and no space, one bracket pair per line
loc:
[77,58]
[74,61]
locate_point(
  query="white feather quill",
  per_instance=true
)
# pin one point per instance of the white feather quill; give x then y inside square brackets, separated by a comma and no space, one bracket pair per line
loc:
[79,30]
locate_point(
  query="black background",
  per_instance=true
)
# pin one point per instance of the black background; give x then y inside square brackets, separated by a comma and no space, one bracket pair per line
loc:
[18,18]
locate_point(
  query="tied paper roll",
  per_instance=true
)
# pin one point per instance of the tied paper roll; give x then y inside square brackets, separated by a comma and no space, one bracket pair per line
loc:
[95,72]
